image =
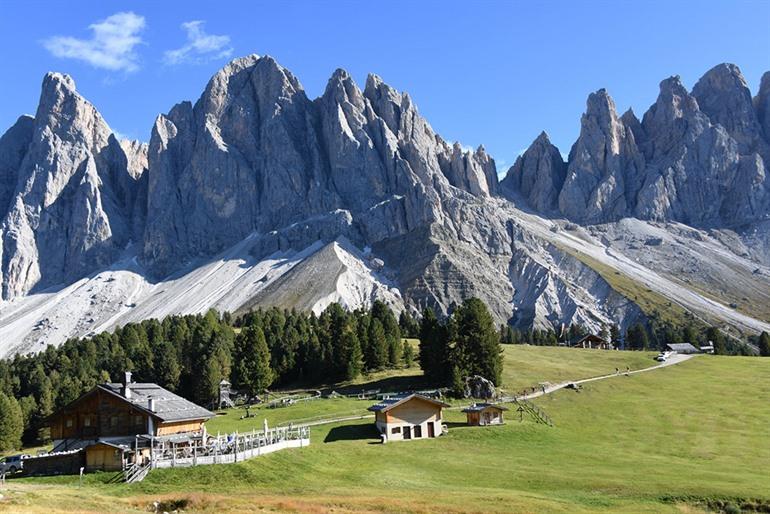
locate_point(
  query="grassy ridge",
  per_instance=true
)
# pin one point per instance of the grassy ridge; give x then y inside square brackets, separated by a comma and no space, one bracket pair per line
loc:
[627,444]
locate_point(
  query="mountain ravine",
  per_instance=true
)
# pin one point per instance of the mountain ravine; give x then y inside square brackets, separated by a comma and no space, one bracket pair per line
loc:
[258,195]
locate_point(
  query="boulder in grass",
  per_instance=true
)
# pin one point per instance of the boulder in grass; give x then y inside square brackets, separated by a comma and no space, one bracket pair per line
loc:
[479,387]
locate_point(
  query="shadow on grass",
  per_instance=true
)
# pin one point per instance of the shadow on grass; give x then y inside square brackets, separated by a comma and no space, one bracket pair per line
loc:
[362,431]
[456,424]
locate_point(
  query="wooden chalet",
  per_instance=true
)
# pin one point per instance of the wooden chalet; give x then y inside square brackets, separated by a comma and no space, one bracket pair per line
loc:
[408,417]
[481,414]
[112,425]
[594,342]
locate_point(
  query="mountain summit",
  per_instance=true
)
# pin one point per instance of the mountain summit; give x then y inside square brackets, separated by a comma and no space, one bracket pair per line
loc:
[353,196]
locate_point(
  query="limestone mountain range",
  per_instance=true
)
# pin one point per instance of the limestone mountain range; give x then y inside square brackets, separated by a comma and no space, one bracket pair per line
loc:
[258,195]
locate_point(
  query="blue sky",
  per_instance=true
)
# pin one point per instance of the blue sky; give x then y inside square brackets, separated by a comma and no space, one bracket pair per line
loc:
[490,72]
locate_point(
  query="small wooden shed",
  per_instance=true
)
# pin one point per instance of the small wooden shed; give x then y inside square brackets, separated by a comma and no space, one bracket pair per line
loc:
[480,414]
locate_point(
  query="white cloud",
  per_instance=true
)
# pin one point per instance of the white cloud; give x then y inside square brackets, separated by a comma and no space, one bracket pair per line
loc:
[200,47]
[111,47]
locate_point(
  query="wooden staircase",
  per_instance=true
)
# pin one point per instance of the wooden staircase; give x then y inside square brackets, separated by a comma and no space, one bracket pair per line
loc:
[136,473]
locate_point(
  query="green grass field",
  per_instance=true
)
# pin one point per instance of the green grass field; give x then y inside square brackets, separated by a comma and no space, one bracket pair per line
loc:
[671,440]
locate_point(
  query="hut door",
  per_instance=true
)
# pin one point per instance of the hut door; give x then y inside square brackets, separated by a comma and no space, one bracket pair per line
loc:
[431,430]
[407,432]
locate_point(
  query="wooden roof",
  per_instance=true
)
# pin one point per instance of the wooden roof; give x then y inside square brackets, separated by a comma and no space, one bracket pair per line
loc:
[479,407]
[390,403]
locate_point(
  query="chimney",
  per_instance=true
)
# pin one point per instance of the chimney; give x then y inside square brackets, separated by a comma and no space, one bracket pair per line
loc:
[127,384]
[151,404]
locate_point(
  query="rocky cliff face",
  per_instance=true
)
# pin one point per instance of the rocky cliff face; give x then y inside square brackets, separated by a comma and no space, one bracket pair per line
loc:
[70,198]
[696,157]
[255,164]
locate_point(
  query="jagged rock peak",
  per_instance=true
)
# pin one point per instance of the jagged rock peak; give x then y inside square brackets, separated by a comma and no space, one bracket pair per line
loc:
[762,104]
[538,174]
[724,96]
[55,81]
[542,139]
[600,103]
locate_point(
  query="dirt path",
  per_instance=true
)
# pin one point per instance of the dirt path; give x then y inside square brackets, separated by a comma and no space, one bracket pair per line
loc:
[674,359]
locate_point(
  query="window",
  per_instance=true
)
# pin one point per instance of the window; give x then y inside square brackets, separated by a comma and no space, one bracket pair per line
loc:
[138,420]
[69,422]
[395,430]
[417,431]
[114,421]
[87,421]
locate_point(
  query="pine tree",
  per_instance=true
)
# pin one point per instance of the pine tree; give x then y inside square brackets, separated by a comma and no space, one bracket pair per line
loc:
[408,326]
[615,335]
[167,368]
[764,344]
[253,370]
[11,423]
[477,343]
[383,313]
[636,337]
[408,354]
[689,335]
[377,354]
[352,351]
[717,338]
[433,348]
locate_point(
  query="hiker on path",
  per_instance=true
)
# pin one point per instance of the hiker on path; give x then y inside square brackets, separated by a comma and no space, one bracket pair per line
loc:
[628,370]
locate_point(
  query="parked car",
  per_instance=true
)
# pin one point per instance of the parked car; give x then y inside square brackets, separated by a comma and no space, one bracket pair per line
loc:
[12,464]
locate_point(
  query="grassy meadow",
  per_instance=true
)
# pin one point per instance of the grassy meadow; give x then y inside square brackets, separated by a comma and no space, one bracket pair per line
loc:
[671,440]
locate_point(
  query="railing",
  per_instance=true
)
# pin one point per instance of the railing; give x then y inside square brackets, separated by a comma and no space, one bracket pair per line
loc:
[536,412]
[136,473]
[227,448]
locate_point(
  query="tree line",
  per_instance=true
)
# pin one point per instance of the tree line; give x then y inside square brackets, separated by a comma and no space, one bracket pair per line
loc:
[274,347]
[653,336]
[191,354]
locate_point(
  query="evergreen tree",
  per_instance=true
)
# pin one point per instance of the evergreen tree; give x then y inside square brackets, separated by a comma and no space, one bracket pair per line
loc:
[167,368]
[11,423]
[377,354]
[352,352]
[764,344]
[433,350]
[636,337]
[408,355]
[615,335]
[477,343]
[717,338]
[689,335]
[253,371]
[407,324]
[383,313]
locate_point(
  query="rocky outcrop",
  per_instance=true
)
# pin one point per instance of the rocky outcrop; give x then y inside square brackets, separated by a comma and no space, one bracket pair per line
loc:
[762,105]
[13,148]
[72,205]
[605,165]
[698,158]
[538,174]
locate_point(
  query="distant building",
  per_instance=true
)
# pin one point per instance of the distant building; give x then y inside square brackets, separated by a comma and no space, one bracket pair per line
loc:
[480,414]
[707,348]
[111,427]
[408,417]
[592,341]
[685,348]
